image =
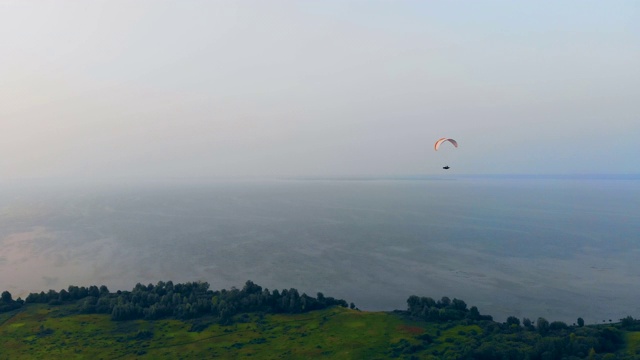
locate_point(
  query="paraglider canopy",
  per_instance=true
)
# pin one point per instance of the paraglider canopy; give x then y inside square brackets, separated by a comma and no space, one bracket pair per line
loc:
[442,140]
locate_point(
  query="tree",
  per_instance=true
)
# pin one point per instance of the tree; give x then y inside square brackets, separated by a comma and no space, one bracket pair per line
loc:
[558,325]
[250,288]
[63,295]
[580,322]
[459,305]
[413,302]
[6,297]
[444,302]
[512,320]
[543,325]
[474,313]
[628,321]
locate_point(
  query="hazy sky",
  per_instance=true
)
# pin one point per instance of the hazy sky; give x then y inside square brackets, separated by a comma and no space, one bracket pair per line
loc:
[317,88]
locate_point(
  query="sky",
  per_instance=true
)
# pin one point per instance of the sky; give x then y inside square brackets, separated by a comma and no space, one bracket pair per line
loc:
[152,88]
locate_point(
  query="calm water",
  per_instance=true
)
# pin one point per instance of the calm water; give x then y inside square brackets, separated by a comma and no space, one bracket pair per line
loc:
[525,247]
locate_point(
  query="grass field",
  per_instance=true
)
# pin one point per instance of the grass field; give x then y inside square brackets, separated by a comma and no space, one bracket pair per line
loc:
[41,331]
[50,332]
[633,343]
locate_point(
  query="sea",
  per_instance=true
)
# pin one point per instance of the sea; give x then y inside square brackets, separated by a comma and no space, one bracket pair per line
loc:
[525,246]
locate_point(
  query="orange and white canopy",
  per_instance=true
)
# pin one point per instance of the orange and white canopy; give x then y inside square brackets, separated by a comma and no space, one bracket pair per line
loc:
[442,140]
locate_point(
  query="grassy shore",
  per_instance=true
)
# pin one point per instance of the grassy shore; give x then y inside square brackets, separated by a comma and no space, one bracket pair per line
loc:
[39,331]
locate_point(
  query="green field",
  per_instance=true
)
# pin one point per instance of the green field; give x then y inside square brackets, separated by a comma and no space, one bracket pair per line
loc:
[633,344]
[39,331]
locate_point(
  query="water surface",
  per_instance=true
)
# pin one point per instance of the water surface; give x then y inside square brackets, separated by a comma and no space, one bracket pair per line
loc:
[524,247]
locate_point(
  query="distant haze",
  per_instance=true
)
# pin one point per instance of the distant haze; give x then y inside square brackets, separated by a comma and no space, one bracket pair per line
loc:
[317,88]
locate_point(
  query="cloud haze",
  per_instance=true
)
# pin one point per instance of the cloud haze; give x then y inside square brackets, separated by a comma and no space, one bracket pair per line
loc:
[303,88]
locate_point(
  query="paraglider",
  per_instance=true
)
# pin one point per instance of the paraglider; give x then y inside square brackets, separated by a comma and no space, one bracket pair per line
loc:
[440,142]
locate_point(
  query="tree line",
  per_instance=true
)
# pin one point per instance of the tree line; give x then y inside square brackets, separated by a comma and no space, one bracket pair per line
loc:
[184,301]
[444,309]
[513,339]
